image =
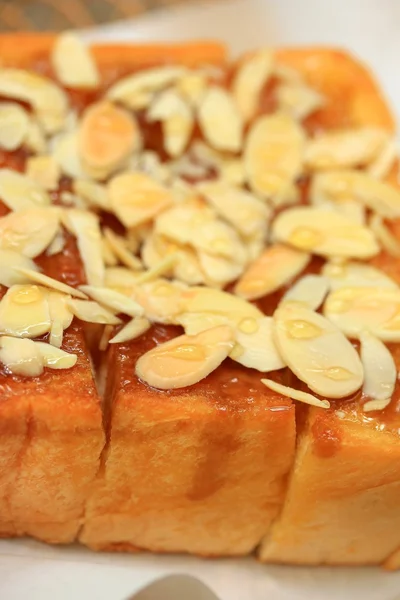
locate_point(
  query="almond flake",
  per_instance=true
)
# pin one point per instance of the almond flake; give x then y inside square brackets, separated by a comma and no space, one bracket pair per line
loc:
[358,309]
[187,266]
[220,120]
[73,63]
[21,356]
[192,87]
[132,330]
[107,136]
[120,277]
[51,283]
[24,312]
[55,358]
[295,394]
[150,163]
[249,81]
[310,290]
[274,268]
[29,232]
[176,118]
[137,91]
[161,299]
[317,351]
[388,240]
[353,274]
[19,192]
[298,100]
[60,316]
[85,226]
[381,166]
[136,198]
[347,148]
[218,271]
[241,209]
[351,209]
[109,258]
[194,323]
[164,267]
[341,186]
[9,259]
[273,155]
[118,247]
[185,360]
[35,139]
[324,233]
[57,245]
[105,337]
[255,346]
[92,312]
[93,193]
[49,102]
[66,154]
[14,125]
[116,301]
[44,170]
[380,372]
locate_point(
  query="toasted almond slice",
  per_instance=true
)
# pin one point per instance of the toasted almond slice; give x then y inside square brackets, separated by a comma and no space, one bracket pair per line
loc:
[55,358]
[298,100]
[114,300]
[66,154]
[380,167]
[352,209]
[109,258]
[107,136]
[49,102]
[194,323]
[14,125]
[85,226]
[105,337]
[149,162]
[240,208]
[137,91]
[355,310]
[60,316]
[9,259]
[161,299]
[389,242]
[92,312]
[121,251]
[232,171]
[30,231]
[93,193]
[132,330]
[120,277]
[177,120]
[220,120]
[273,155]
[19,192]
[44,170]
[353,274]
[255,346]
[24,311]
[324,233]
[249,80]
[51,283]
[192,87]
[380,372]
[57,245]
[21,356]
[317,351]
[295,394]
[341,186]
[347,148]
[73,63]
[35,139]
[185,360]
[274,268]
[219,271]
[310,290]
[136,198]
[164,267]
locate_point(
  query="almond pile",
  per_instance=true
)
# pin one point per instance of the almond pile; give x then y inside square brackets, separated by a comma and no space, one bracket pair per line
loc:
[208,226]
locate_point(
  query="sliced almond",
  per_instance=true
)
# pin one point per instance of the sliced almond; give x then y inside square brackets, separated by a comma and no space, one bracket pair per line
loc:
[352,209]
[105,337]
[57,245]
[196,322]
[24,311]
[53,284]
[116,301]
[29,232]
[14,125]
[73,63]
[355,310]
[381,166]
[380,372]
[192,87]
[49,102]
[21,356]
[92,312]
[35,139]
[274,268]
[298,100]
[55,358]
[161,299]
[310,290]
[164,267]
[120,250]
[132,330]
[60,316]
[218,271]
[353,274]
[185,360]
[250,78]
[347,148]
[255,347]
[176,118]
[107,136]
[93,193]
[273,155]
[109,258]
[19,192]
[137,91]
[120,277]
[387,239]
[85,226]
[9,259]
[220,120]
[136,198]
[295,394]
[65,152]
[44,170]
[324,233]
[317,351]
